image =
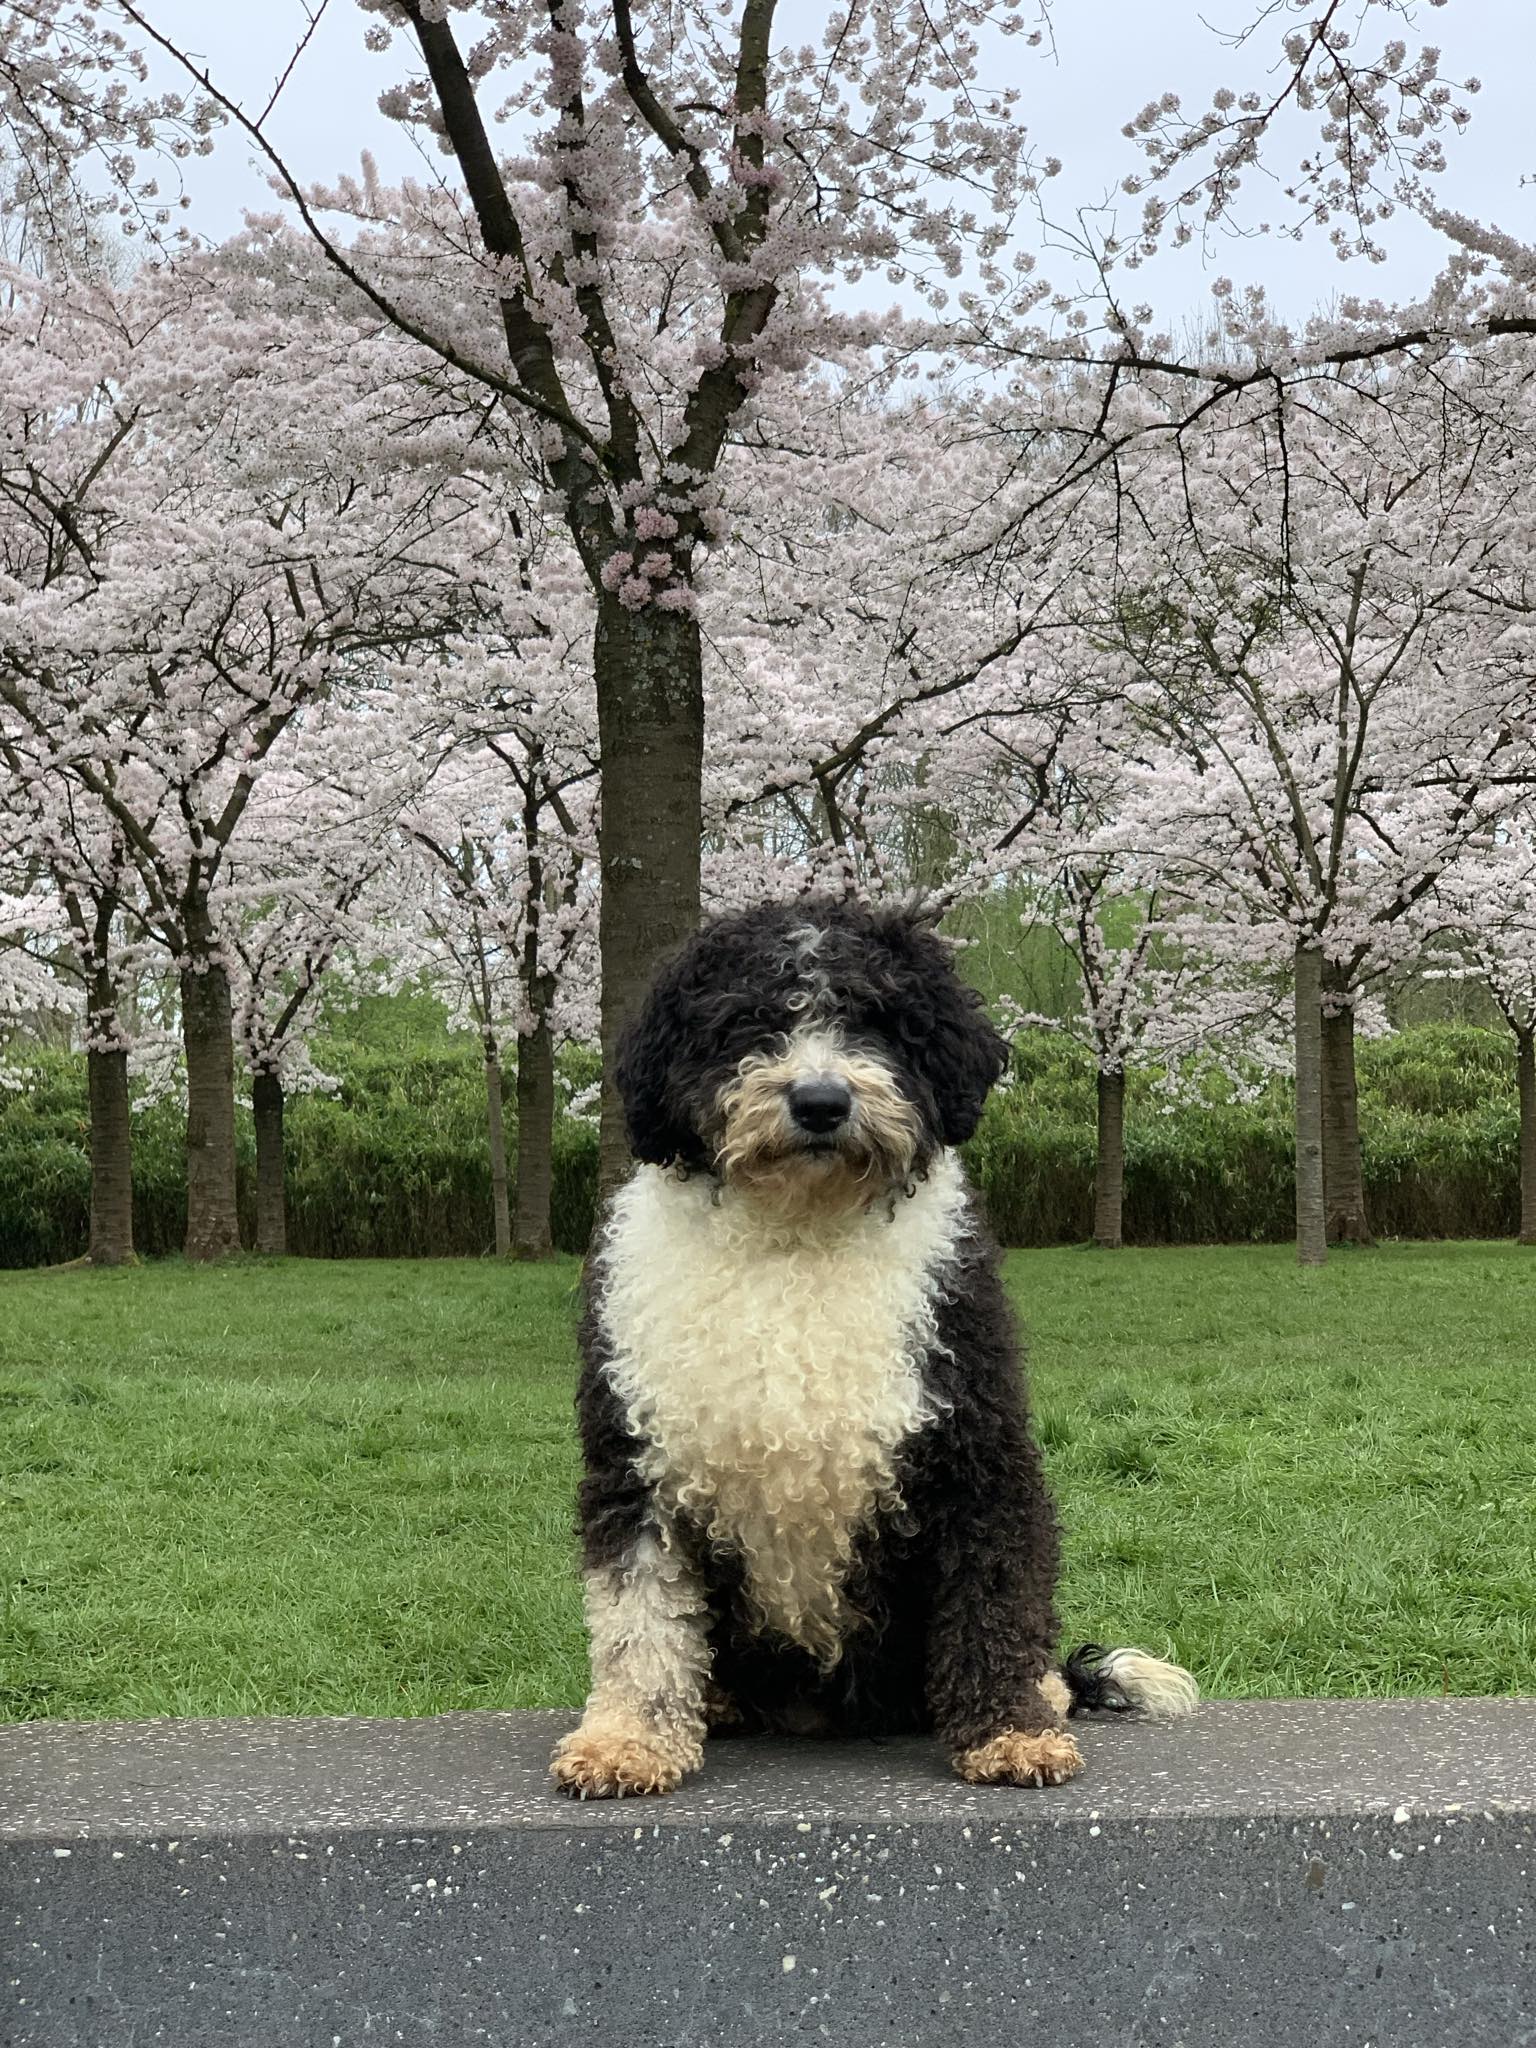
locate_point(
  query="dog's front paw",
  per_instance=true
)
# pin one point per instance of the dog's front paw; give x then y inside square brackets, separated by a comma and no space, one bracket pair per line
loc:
[1012,1758]
[613,1763]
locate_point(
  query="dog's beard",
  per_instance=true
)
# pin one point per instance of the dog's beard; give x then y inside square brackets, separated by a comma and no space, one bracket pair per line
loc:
[764,1153]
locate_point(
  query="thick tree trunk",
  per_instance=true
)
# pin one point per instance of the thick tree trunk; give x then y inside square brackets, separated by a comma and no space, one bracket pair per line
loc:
[1343,1171]
[1311,1236]
[535,1142]
[497,1128]
[1109,1168]
[1525,1066]
[650,708]
[213,1221]
[111,1156]
[271,1196]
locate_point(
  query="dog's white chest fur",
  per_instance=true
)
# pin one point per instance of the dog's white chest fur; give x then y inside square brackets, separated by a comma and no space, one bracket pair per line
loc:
[773,1375]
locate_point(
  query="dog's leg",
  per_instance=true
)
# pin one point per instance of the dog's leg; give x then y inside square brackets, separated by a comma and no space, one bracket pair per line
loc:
[998,1701]
[647,1614]
[644,1721]
[999,1704]
[988,1529]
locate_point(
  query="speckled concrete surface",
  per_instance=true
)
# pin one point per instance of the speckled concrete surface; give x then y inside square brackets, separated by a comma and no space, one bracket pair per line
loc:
[1242,1757]
[1271,1872]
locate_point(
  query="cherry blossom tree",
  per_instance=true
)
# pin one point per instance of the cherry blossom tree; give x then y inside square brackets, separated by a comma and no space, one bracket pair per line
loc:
[1152,995]
[866,632]
[231,570]
[1326,709]
[296,899]
[631,278]
[1030,784]
[1487,904]
[59,350]
[71,924]
[64,949]
[507,838]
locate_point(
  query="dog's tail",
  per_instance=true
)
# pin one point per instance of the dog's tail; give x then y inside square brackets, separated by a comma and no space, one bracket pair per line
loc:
[1114,1681]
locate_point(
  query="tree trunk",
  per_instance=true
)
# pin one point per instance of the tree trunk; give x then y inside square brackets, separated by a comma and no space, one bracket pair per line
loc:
[650,711]
[271,1197]
[496,1123]
[535,1142]
[1343,1172]
[106,1066]
[111,1155]
[1311,1236]
[1109,1168]
[213,1221]
[1525,1059]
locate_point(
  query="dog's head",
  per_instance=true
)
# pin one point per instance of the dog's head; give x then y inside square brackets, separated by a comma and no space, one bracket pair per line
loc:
[819,1052]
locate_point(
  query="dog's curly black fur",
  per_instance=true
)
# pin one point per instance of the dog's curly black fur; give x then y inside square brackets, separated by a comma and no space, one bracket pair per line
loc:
[946,1617]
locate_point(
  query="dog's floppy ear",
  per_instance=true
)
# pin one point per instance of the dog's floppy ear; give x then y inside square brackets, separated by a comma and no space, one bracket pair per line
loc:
[658,1129]
[947,1035]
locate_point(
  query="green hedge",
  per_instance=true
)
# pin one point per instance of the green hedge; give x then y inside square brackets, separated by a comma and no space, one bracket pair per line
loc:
[1225,1176]
[1439,1137]
[394,1163]
[392,1166]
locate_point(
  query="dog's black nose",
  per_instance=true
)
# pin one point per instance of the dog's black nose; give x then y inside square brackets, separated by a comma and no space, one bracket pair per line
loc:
[820,1106]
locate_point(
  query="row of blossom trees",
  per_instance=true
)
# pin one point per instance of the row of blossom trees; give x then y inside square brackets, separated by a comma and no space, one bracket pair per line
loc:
[452,574]
[1252,706]
[1253,699]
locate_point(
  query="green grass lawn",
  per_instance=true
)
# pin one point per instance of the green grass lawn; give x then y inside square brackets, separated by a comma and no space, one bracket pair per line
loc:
[316,1488]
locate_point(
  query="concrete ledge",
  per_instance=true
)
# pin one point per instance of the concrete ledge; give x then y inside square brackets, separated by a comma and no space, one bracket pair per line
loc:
[1303,1871]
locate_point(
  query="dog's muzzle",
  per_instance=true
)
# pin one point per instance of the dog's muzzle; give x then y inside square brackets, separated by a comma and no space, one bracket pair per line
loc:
[820,1106]
[817,1121]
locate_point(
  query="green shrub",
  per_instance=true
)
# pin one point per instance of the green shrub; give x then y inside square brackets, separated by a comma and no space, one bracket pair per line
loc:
[1436,1069]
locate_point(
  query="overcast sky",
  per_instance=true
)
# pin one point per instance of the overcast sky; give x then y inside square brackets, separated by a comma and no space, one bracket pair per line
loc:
[1110,57]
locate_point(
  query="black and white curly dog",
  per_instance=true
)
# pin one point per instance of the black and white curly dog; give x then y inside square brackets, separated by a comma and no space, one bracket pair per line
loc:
[812,1501]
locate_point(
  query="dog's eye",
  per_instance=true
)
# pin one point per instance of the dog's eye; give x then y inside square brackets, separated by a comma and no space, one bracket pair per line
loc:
[870,1027]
